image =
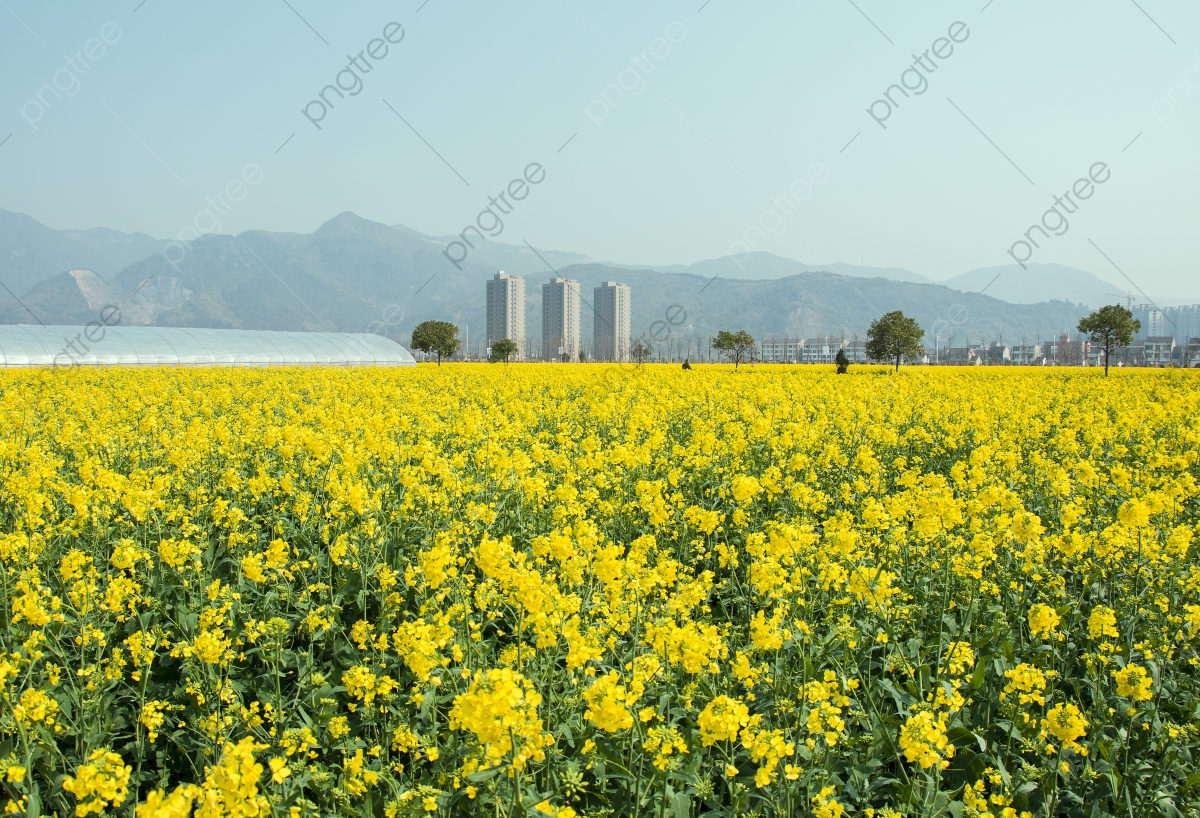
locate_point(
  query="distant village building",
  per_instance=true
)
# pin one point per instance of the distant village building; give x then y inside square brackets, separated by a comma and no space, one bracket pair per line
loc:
[1066,352]
[785,351]
[1026,354]
[1158,350]
[997,354]
[967,355]
[1191,353]
[819,350]
[856,351]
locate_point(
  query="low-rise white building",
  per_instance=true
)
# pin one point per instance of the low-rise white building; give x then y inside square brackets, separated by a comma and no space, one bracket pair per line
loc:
[1158,350]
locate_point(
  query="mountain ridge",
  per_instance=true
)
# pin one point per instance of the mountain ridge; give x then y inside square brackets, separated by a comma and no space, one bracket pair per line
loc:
[352,274]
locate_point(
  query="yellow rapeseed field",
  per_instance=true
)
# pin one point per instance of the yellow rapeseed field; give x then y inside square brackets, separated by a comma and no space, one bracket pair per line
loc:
[599,591]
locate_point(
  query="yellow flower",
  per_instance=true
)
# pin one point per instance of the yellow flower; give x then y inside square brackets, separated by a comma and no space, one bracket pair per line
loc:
[825,805]
[766,635]
[744,487]
[1043,621]
[702,519]
[98,784]
[231,787]
[767,748]
[693,646]
[71,566]
[1134,514]
[1102,622]
[959,658]
[338,727]
[276,556]
[176,805]
[1027,682]
[664,741]
[154,713]
[298,741]
[210,646]
[923,740]
[364,685]
[721,720]
[35,706]
[1067,724]
[608,701]
[252,568]
[1133,682]
[671,559]
[279,770]
[500,709]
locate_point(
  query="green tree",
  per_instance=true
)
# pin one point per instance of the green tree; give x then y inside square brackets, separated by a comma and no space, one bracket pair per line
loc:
[737,346]
[843,363]
[439,337]
[640,352]
[1113,326]
[503,349]
[894,336]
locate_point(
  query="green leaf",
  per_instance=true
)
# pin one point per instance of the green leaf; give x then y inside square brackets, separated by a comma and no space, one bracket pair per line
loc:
[485,775]
[34,810]
[681,805]
[962,733]
[897,696]
[977,677]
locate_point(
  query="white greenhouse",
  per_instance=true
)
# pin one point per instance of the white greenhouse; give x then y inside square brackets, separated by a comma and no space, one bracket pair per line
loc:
[99,345]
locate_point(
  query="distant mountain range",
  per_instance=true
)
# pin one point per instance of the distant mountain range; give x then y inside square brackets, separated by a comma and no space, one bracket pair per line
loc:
[354,275]
[30,252]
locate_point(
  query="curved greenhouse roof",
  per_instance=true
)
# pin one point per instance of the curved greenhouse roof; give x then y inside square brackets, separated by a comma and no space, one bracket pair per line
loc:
[100,345]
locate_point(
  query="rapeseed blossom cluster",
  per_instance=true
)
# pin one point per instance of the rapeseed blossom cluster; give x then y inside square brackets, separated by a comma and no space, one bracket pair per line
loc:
[1134,682]
[721,720]
[923,740]
[608,704]
[500,709]
[99,783]
[599,591]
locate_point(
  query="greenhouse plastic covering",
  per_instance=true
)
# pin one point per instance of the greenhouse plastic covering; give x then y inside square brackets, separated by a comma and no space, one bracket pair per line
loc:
[99,345]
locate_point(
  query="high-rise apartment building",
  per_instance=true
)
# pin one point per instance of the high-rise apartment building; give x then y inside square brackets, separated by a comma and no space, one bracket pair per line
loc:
[611,330]
[1154,323]
[560,319]
[1184,323]
[1181,323]
[506,310]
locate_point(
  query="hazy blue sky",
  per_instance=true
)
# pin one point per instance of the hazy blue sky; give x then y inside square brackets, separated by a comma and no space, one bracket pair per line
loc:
[748,99]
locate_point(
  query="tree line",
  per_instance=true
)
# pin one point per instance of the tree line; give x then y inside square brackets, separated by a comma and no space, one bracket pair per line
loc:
[892,338]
